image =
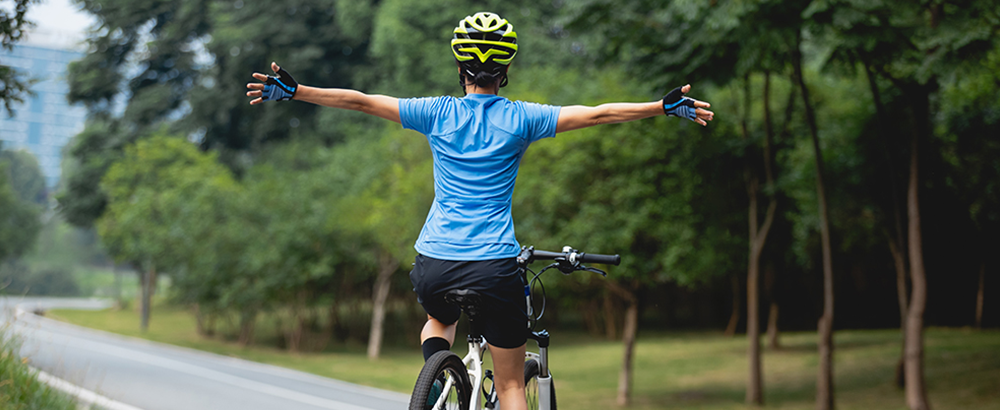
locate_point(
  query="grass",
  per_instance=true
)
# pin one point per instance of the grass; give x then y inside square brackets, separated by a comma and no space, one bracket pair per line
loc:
[19,387]
[672,370]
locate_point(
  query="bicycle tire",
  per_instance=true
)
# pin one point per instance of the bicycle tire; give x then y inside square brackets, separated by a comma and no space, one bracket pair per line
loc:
[443,365]
[531,372]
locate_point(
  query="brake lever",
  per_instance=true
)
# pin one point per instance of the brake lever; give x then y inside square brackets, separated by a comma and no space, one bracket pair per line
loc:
[595,270]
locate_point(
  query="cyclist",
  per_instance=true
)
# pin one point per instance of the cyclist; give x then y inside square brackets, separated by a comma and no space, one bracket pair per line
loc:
[477,143]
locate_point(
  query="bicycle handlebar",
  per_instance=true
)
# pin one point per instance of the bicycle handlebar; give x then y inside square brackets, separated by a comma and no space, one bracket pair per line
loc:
[529,254]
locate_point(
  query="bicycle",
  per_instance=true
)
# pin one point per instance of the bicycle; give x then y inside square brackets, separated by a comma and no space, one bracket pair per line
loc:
[449,382]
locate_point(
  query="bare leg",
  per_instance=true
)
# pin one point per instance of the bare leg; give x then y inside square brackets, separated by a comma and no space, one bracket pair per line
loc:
[433,328]
[508,376]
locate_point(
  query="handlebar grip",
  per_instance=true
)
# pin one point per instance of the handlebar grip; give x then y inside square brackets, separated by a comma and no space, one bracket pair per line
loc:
[546,255]
[598,258]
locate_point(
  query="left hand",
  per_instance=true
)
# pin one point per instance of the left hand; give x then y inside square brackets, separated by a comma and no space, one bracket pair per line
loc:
[676,104]
[280,88]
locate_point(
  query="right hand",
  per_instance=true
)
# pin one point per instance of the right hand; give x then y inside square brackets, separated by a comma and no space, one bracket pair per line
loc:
[677,105]
[281,87]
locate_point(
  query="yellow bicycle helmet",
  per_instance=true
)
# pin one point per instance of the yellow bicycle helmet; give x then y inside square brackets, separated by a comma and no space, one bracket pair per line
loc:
[484,45]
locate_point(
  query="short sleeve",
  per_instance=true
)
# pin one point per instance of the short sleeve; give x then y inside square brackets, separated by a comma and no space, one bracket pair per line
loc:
[540,120]
[418,113]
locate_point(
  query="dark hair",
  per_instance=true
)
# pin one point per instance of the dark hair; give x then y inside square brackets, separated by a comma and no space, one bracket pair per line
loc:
[484,79]
[482,75]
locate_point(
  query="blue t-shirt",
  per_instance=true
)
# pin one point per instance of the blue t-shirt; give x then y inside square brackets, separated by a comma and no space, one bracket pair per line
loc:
[477,143]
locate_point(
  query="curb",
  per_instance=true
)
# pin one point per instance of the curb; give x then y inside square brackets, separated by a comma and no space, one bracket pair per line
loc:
[86,398]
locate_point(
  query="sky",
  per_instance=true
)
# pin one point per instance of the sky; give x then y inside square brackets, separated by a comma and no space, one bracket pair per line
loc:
[58,23]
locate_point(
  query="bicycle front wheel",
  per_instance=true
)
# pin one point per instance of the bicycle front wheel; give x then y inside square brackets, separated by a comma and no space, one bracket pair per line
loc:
[444,375]
[531,371]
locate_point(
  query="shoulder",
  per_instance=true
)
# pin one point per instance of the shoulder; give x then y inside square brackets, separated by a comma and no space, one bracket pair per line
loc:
[427,102]
[533,107]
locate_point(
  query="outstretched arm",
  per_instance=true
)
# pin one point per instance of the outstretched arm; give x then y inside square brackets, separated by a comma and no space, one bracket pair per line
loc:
[577,116]
[378,105]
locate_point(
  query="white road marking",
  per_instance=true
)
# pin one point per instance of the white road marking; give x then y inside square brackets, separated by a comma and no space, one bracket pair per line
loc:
[86,397]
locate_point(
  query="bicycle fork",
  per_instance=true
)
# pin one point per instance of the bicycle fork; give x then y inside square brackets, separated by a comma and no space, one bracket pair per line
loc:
[544,377]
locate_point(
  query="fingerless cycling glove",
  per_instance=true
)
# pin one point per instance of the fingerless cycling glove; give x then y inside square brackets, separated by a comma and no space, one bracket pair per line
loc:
[677,105]
[281,87]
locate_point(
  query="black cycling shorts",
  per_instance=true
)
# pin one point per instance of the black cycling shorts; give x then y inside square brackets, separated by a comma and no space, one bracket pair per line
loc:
[503,319]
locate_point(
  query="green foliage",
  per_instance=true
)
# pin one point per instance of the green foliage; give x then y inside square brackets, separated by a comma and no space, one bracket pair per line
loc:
[13,25]
[971,116]
[312,197]
[25,176]
[63,246]
[20,388]
[92,151]
[167,58]
[150,194]
[391,205]
[306,38]
[19,223]
[635,167]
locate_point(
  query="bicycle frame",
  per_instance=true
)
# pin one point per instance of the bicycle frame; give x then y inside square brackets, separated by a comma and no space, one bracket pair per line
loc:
[474,365]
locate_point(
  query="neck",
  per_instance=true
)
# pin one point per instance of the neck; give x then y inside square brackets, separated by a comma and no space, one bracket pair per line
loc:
[475,89]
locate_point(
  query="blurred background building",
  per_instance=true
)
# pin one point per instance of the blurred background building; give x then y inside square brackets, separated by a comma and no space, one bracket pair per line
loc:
[45,122]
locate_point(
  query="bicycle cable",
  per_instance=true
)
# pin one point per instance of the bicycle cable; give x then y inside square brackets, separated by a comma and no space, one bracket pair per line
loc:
[541,312]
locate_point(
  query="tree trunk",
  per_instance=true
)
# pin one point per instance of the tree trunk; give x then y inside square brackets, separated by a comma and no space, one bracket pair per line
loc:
[899,260]
[628,340]
[298,323]
[335,327]
[148,278]
[387,265]
[757,239]
[610,324]
[734,318]
[592,317]
[119,303]
[980,296]
[916,393]
[773,335]
[755,389]
[628,294]
[896,244]
[824,382]
[199,320]
[248,320]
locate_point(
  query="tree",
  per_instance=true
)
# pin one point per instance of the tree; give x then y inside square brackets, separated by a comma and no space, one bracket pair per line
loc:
[294,198]
[25,176]
[19,224]
[721,42]
[824,382]
[645,168]
[383,208]
[912,46]
[321,43]
[148,193]
[162,38]
[969,115]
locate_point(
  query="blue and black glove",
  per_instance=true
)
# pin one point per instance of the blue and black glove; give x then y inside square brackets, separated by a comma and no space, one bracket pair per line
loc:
[677,105]
[281,87]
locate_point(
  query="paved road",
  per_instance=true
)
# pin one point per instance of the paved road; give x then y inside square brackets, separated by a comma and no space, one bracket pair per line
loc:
[154,376]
